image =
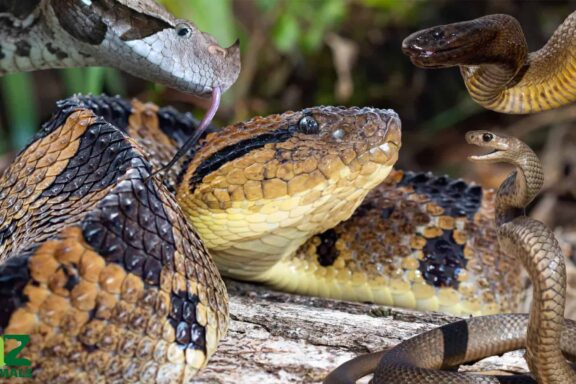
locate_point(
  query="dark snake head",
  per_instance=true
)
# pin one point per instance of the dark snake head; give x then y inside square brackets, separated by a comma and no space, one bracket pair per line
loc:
[488,39]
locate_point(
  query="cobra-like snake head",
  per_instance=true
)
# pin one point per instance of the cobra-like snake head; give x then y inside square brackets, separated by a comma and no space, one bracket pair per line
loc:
[489,39]
[142,38]
[505,149]
[265,186]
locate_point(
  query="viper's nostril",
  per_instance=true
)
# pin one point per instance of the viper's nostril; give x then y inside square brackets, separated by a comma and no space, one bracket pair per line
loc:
[215,49]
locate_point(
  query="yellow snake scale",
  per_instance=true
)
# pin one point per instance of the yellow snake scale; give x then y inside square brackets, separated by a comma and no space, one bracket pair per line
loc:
[100,267]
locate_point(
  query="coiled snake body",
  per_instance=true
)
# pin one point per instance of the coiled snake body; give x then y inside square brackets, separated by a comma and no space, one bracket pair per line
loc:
[99,264]
[101,269]
[547,337]
[498,71]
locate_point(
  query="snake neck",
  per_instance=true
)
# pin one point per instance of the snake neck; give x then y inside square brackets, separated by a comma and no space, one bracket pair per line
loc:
[32,40]
[521,187]
[486,83]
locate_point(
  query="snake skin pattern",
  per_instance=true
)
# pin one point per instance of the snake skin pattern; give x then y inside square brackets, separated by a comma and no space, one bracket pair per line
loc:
[499,72]
[101,268]
[136,36]
[548,338]
[99,265]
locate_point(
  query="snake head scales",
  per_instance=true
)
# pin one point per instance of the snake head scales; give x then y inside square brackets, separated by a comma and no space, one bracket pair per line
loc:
[266,185]
[142,38]
[510,150]
[503,148]
[488,39]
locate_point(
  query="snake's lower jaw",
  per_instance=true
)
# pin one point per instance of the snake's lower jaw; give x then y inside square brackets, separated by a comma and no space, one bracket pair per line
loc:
[487,157]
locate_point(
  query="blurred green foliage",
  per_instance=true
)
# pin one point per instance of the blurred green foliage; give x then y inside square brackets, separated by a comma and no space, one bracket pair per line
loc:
[304,24]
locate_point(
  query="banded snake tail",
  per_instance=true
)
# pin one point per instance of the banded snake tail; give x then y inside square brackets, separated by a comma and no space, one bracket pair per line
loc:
[499,72]
[101,268]
[549,339]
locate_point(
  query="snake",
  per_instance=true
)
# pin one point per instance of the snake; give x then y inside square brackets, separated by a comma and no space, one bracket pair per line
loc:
[105,267]
[548,338]
[113,276]
[136,36]
[498,71]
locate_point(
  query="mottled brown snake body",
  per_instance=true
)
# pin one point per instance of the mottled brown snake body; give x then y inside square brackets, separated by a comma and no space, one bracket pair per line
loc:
[547,337]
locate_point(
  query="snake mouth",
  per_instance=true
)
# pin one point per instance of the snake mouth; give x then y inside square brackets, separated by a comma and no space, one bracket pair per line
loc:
[491,156]
[485,156]
[385,153]
[435,57]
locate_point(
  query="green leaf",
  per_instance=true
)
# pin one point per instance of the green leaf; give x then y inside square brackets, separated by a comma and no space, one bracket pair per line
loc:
[285,33]
[23,121]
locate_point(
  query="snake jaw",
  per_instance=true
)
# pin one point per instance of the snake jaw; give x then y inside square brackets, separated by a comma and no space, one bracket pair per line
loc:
[491,156]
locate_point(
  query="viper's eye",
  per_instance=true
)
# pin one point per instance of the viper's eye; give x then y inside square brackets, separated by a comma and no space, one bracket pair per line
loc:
[308,125]
[487,137]
[183,30]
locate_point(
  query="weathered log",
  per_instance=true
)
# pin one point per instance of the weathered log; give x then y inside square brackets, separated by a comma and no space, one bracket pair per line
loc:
[281,338]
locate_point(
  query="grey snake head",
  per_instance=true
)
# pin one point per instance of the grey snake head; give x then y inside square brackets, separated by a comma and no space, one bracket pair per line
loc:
[142,38]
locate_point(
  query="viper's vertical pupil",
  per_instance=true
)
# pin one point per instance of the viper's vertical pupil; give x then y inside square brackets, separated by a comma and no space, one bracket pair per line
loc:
[183,30]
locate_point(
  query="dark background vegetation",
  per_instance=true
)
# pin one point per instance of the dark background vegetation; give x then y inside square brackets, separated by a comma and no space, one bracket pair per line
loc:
[299,53]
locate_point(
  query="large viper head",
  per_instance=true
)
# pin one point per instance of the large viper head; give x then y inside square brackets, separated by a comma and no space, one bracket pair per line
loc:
[143,39]
[487,40]
[265,186]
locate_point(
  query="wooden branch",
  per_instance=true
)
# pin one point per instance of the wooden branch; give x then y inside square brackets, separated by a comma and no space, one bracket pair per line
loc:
[282,338]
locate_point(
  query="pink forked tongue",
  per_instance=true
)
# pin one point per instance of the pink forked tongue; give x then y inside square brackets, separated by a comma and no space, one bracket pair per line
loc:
[189,144]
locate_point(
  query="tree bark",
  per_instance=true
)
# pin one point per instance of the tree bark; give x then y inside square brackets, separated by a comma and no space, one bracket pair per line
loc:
[281,338]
